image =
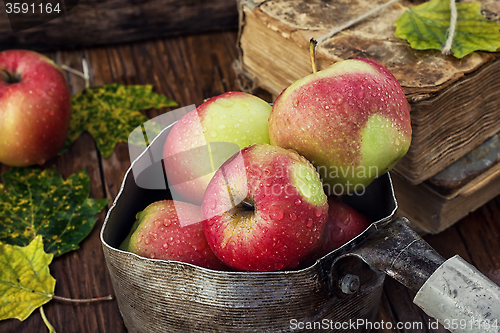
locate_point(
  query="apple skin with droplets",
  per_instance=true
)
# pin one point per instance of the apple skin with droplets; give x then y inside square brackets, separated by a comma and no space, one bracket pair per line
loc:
[158,234]
[35,108]
[343,224]
[237,118]
[351,120]
[264,209]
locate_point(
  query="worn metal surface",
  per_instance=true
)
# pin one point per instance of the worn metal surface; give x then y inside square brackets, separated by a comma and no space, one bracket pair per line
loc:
[401,253]
[461,298]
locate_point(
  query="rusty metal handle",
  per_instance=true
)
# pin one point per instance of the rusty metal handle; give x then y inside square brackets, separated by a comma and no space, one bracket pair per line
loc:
[452,291]
[401,253]
[461,298]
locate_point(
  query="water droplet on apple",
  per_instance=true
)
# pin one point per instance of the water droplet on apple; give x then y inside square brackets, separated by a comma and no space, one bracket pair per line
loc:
[277,244]
[318,212]
[309,222]
[279,265]
[180,253]
[152,255]
[221,126]
[225,102]
[338,235]
[293,216]
[264,230]
[167,222]
[165,246]
[213,133]
[277,214]
[298,202]
[147,241]
[222,116]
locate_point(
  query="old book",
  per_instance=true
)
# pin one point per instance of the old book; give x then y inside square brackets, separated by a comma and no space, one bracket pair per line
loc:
[455,104]
[461,188]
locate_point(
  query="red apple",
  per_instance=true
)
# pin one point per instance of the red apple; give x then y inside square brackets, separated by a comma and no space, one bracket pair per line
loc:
[264,209]
[343,224]
[205,138]
[35,108]
[351,120]
[159,234]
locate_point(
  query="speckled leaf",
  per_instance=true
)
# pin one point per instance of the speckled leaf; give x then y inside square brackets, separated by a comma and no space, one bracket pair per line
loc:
[140,137]
[426,27]
[109,113]
[35,202]
[25,280]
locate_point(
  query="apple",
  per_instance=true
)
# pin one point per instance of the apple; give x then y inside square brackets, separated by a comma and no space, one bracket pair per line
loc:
[343,224]
[351,120]
[264,209]
[205,138]
[159,234]
[35,108]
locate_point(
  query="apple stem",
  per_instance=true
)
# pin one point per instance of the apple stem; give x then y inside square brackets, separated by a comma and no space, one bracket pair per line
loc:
[312,54]
[87,300]
[7,76]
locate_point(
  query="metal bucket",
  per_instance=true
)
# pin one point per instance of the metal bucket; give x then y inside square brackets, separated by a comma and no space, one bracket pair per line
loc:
[339,292]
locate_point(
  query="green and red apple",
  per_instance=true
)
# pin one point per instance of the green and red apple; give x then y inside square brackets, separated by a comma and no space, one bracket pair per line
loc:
[159,234]
[264,209]
[35,108]
[205,138]
[351,120]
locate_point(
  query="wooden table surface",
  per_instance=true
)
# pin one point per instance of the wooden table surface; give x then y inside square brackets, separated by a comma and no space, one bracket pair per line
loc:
[189,69]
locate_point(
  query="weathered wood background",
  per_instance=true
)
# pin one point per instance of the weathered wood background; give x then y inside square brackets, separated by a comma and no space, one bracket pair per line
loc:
[98,22]
[189,69]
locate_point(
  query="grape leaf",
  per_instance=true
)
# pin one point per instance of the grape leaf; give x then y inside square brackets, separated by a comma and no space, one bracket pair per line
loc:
[109,113]
[25,280]
[35,202]
[426,27]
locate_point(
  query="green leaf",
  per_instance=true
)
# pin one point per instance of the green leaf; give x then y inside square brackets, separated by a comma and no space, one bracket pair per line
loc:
[426,27]
[25,280]
[109,113]
[35,202]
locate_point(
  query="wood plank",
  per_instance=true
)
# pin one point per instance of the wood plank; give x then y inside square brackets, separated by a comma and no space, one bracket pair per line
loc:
[96,22]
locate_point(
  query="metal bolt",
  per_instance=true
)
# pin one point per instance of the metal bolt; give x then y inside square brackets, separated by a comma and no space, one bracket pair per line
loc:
[349,284]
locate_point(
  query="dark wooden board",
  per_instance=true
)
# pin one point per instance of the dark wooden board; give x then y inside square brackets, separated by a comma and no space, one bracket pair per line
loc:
[97,22]
[190,69]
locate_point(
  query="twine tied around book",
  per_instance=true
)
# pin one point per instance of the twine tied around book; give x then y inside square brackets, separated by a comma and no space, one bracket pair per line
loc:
[446,48]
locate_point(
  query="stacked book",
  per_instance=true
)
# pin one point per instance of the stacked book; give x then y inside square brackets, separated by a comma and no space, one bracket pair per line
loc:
[455,104]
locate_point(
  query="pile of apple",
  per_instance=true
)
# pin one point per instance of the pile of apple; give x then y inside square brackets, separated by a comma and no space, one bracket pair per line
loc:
[258,188]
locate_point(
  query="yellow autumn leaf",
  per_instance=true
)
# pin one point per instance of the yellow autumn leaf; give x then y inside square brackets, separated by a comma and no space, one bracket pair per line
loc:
[25,280]
[427,25]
